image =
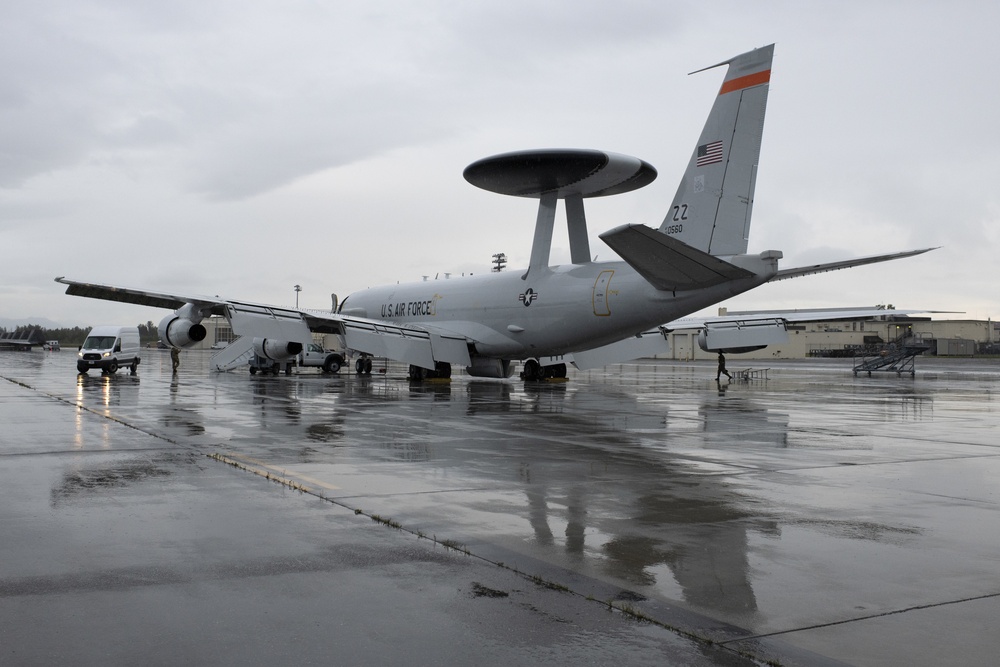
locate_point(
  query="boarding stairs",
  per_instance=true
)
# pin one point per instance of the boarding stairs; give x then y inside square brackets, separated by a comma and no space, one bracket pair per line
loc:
[236,354]
[749,374]
[895,357]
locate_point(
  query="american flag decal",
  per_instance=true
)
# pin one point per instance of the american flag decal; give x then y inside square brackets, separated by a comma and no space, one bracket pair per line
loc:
[709,153]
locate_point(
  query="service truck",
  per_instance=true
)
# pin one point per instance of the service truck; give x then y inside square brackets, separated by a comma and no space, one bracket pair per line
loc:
[315,355]
[311,355]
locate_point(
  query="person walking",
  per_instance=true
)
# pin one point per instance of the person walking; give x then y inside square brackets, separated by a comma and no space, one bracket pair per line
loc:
[722,368]
[175,358]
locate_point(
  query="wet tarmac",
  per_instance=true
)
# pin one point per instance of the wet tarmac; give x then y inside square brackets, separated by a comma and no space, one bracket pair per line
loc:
[641,514]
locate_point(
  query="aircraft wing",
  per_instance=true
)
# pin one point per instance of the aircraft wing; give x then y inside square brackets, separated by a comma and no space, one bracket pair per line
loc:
[418,345]
[792,315]
[798,272]
[742,331]
[733,332]
[215,305]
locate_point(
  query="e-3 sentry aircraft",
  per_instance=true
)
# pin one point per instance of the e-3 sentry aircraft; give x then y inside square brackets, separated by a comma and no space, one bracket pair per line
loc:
[586,313]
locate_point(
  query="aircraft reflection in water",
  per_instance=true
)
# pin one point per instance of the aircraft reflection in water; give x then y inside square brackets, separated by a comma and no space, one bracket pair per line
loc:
[601,476]
[645,514]
[592,487]
[607,478]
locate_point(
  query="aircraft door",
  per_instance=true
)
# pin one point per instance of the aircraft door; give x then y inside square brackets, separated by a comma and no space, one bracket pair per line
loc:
[601,286]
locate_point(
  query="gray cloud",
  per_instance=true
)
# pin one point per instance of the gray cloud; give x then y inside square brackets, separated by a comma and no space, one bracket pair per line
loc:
[215,125]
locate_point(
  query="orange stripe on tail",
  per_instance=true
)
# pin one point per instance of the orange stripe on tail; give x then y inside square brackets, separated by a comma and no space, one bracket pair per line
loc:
[746,82]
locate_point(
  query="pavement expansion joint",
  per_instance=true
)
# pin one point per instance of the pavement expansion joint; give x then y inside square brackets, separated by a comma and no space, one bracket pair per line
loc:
[867,617]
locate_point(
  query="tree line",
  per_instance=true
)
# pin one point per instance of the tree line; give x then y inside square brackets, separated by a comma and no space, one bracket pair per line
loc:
[73,336]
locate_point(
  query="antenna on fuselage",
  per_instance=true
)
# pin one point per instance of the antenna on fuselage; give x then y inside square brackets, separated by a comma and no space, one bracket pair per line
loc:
[553,174]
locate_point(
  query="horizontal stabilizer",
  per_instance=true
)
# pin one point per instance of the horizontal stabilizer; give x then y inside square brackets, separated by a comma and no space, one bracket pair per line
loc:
[669,264]
[845,264]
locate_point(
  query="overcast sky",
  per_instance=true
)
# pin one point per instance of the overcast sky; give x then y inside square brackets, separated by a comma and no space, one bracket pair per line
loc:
[241,148]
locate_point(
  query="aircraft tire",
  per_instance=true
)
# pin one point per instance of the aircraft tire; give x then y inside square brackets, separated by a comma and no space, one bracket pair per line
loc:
[368,366]
[532,370]
[253,370]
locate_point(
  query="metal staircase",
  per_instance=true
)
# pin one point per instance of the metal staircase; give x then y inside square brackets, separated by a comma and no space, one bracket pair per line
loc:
[237,353]
[895,357]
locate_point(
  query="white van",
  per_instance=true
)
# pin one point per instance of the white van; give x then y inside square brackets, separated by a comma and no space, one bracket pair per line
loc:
[109,348]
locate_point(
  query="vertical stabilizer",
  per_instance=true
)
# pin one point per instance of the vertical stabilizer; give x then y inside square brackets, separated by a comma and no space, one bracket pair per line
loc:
[712,207]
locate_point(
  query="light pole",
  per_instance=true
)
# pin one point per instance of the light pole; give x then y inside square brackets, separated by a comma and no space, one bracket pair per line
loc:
[298,288]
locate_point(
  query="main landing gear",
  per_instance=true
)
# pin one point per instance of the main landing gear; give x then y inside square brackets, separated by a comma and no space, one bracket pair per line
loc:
[441,370]
[363,366]
[534,371]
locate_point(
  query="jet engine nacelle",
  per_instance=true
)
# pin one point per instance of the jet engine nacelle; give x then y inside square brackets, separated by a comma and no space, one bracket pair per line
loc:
[736,337]
[177,331]
[276,350]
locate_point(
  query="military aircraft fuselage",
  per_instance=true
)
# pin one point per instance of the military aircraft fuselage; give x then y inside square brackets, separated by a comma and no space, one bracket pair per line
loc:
[550,311]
